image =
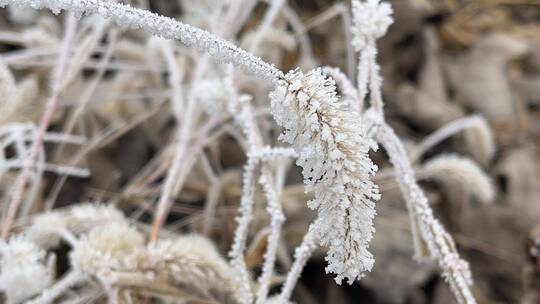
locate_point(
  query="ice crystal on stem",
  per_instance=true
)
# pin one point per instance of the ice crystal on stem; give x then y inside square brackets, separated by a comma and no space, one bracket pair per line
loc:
[440,244]
[130,17]
[333,152]
[371,20]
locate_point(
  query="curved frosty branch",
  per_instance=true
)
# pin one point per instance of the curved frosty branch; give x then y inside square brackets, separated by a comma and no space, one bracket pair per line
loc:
[130,17]
[440,244]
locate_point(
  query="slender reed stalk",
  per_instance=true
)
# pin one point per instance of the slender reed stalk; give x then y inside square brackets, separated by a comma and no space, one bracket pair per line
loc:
[37,144]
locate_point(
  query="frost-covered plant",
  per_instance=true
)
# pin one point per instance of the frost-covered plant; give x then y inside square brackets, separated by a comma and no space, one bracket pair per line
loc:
[192,260]
[426,229]
[259,157]
[371,20]
[331,137]
[20,135]
[104,249]
[115,254]
[46,229]
[332,150]
[25,270]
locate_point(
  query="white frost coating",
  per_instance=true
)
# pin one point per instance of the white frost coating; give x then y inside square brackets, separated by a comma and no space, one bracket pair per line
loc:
[371,20]
[347,89]
[261,156]
[464,173]
[302,254]
[269,153]
[256,159]
[333,152]
[129,17]
[24,272]
[440,244]
[241,232]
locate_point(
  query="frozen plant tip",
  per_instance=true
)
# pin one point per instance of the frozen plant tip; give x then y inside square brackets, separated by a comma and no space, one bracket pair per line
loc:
[371,20]
[333,153]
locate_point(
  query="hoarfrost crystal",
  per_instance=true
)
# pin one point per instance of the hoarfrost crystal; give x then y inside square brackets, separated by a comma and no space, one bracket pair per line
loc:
[333,152]
[371,21]
[24,271]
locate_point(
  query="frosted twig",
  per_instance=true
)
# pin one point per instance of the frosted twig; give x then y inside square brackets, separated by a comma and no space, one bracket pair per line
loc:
[127,16]
[57,169]
[241,232]
[371,19]
[27,132]
[186,121]
[301,255]
[257,157]
[439,242]
[50,108]
[265,154]
[257,154]
[18,134]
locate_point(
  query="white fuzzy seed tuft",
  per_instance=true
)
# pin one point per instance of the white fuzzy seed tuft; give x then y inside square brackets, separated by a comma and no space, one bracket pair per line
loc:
[371,20]
[105,248]
[24,272]
[463,172]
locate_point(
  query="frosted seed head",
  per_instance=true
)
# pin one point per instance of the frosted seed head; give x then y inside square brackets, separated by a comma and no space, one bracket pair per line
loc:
[371,20]
[24,271]
[105,248]
[329,142]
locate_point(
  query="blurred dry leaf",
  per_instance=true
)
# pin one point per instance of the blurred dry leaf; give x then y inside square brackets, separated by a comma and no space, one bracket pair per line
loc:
[480,79]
